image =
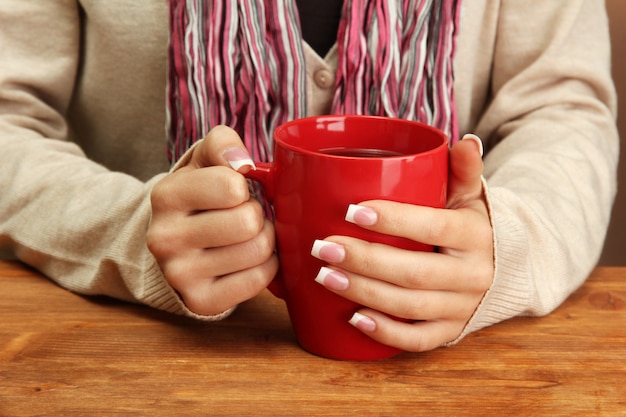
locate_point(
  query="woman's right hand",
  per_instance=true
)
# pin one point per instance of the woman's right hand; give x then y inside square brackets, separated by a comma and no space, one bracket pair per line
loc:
[207,233]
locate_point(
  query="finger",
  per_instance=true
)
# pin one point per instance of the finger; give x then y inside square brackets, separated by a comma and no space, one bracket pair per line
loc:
[200,189]
[207,229]
[403,268]
[420,336]
[215,295]
[398,301]
[210,229]
[183,271]
[222,146]
[466,167]
[457,229]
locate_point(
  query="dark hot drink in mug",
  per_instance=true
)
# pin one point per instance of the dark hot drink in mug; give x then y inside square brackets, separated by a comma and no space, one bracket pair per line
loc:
[360,152]
[320,166]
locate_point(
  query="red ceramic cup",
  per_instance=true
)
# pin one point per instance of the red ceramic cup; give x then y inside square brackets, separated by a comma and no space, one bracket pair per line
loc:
[320,166]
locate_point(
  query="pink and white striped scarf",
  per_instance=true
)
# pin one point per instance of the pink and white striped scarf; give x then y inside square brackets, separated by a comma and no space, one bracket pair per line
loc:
[241,63]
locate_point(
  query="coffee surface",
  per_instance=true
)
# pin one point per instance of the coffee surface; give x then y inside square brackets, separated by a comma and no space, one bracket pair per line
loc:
[360,152]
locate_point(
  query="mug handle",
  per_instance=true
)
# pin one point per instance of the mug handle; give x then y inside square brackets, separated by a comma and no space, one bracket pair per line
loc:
[262,174]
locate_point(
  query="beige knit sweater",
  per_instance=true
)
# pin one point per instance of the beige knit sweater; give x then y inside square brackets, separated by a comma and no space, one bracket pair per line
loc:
[84,81]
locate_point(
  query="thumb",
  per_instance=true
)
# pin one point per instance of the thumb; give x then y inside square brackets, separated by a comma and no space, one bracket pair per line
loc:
[222,146]
[466,167]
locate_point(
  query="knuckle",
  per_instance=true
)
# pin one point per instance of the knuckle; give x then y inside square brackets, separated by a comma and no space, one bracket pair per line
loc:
[415,276]
[165,237]
[366,258]
[235,186]
[484,237]
[482,274]
[269,240]
[262,247]
[413,310]
[420,343]
[250,220]
[421,340]
[217,131]
[157,241]
[368,292]
[259,278]
[436,227]
[159,195]
[177,274]
[484,277]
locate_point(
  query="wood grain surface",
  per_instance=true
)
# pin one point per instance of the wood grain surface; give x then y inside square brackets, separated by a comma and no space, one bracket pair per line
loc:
[62,354]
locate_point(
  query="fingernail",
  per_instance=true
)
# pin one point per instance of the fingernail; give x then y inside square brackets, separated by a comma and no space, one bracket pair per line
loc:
[328,251]
[332,279]
[238,158]
[471,136]
[362,322]
[363,216]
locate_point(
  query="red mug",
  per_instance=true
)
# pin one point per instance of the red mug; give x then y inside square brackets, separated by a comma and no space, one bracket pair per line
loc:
[321,165]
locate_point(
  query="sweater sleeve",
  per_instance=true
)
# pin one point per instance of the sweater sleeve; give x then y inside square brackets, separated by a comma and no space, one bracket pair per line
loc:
[77,222]
[552,154]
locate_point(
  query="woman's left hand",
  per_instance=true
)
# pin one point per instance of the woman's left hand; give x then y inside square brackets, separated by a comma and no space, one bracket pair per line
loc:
[437,292]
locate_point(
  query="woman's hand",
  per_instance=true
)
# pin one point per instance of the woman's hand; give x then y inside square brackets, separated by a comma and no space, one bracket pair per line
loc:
[208,235]
[437,292]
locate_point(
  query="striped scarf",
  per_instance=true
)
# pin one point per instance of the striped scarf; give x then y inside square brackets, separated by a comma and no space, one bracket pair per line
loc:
[241,63]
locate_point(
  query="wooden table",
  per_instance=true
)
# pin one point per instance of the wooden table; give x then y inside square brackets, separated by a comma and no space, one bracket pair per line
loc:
[62,354]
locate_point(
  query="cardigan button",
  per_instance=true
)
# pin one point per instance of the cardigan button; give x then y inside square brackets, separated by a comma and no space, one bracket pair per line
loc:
[324,78]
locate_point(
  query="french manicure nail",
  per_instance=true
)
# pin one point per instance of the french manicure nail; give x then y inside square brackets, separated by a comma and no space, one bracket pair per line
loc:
[332,279]
[361,215]
[238,158]
[328,251]
[476,139]
[363,322]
